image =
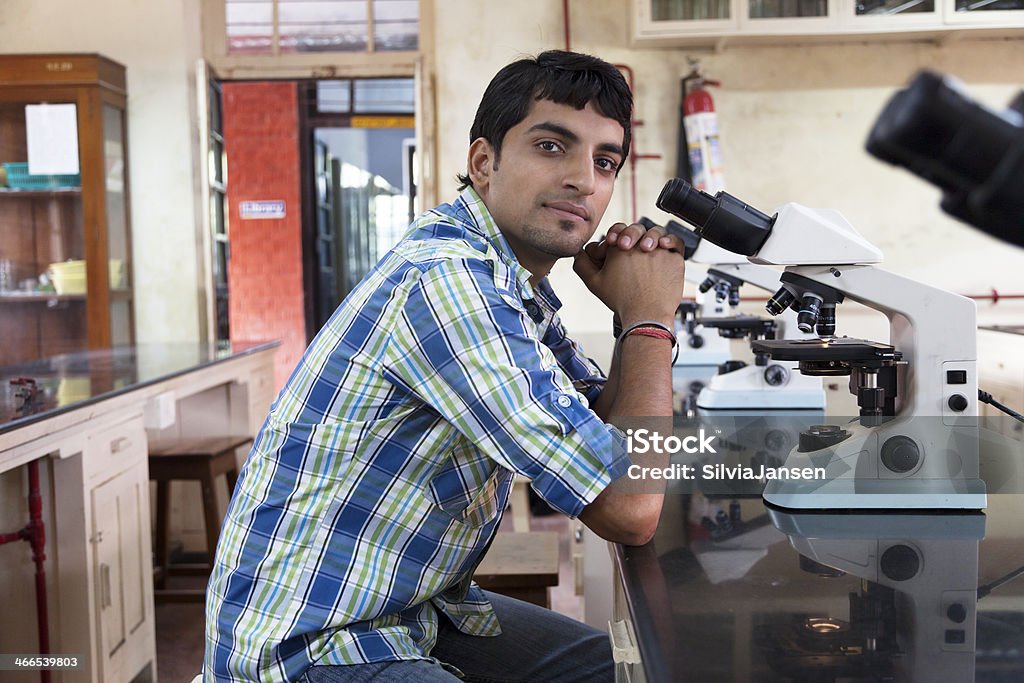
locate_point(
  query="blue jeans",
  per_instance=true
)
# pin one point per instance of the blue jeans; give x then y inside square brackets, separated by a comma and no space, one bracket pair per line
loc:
[535,645]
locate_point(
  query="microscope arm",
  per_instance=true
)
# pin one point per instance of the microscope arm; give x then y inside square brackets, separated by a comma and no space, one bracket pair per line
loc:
[759,276]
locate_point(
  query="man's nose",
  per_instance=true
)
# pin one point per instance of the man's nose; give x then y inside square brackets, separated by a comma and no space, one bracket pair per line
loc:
[581,174]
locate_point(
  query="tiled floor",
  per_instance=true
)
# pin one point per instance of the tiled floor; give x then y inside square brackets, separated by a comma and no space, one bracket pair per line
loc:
[179,627]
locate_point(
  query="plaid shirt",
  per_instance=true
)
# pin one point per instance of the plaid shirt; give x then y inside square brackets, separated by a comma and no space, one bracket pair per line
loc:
[378,480]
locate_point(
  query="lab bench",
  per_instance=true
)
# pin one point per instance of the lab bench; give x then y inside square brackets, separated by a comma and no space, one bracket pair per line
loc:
[85,421]
[772,595]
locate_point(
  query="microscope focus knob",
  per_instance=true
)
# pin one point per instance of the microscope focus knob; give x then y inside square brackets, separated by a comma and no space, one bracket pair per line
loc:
[900,454]
[900,563]
[817,437]
[956,613]
[776,375]
[695,341]
[957,402]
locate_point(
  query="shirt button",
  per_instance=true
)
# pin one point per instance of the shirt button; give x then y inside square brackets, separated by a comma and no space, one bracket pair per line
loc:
[564,401]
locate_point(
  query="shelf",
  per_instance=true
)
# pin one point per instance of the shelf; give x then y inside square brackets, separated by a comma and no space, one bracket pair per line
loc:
[39,297]
[43,297]
[53,192]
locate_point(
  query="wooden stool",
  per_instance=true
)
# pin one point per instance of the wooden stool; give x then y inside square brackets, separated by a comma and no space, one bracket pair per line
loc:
[202,460]
[521,565]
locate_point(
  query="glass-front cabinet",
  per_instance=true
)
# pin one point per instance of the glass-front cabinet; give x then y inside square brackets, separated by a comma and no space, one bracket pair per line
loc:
[65,233]
[707,21]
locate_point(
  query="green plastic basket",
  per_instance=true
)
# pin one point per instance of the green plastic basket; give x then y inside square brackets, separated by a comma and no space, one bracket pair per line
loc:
[18,178]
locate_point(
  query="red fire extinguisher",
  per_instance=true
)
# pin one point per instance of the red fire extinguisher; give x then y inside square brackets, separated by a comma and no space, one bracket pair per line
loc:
[700,125]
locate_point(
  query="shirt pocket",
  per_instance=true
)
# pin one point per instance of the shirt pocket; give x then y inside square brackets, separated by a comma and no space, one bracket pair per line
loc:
[472,491]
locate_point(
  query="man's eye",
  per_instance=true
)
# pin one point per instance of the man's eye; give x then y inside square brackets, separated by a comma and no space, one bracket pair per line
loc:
[606,164]
[549,145]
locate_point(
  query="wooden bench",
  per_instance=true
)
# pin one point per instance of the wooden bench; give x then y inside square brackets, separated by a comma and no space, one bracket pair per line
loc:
[521,565]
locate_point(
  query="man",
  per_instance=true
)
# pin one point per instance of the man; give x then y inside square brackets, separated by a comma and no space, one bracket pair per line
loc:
[380,476]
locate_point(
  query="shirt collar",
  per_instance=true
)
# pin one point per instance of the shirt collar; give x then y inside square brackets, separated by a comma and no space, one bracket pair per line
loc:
[480,222]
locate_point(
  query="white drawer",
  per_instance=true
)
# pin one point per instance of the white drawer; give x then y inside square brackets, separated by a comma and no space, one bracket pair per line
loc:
[115,449]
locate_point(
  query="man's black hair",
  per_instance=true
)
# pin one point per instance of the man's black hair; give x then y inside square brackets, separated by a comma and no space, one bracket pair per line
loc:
[563,77]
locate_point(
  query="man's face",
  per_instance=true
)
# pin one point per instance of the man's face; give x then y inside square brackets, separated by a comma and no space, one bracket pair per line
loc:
[552,184]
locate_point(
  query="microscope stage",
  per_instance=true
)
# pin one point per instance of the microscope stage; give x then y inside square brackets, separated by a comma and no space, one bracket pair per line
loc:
[830,349]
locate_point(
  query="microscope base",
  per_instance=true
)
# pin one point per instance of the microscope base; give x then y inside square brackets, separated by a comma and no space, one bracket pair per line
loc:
[761,399]
[877,494]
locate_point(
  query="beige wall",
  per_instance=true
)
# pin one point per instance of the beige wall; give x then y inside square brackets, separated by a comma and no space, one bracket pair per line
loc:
[158,43]
[793,121]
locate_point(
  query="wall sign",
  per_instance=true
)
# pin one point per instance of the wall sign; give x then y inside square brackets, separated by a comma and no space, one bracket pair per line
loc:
[261,209]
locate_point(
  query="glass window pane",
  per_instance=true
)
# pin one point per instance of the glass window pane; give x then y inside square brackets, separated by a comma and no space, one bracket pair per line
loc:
[250,26]
[322,25]
[775,9]
[333,96]
[396,24]
[384,95]
[866,7]
[689,10]
[985,5]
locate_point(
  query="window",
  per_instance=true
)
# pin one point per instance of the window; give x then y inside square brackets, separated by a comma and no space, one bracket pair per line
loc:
[278,27]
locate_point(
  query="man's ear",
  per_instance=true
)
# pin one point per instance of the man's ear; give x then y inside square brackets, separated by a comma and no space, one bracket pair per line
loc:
[481,163]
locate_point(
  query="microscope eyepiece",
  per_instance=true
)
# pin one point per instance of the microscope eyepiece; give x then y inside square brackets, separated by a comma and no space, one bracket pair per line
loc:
[975,155]
[780,301]
[682,199]
[722,219]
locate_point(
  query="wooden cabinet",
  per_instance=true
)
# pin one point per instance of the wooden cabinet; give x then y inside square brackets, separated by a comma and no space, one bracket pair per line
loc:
[65,249]
[720,22]
[123,595]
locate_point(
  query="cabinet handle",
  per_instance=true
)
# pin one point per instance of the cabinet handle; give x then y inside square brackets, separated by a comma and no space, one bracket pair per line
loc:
[104,585]
[119,444]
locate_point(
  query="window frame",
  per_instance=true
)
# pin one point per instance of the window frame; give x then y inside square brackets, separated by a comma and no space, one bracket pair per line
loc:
[369,63]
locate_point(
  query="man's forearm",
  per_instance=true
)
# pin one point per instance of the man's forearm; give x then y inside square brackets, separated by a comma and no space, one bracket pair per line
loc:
[643,367]
[603,405]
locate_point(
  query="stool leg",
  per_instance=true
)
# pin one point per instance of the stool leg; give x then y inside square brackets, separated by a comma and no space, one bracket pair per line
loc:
[232,477]
[162,522]
[212,519]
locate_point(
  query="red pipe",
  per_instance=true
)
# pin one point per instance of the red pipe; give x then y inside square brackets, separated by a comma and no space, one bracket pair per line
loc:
[35,533]
[995,297]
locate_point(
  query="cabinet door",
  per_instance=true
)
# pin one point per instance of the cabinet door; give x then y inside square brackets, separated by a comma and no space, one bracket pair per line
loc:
[994,13]
[890,15]
[120,518]
[788,16]
[654,18]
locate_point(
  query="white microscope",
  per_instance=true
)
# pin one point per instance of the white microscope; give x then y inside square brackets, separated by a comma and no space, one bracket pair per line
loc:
[915,444]
[767,385]
[705,369]
[914,616]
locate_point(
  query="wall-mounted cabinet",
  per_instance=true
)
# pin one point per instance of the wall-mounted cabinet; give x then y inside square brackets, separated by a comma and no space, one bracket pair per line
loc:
[65,248]
[720,22]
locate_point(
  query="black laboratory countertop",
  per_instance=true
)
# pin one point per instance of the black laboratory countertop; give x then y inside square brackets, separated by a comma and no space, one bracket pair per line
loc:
[828,597]
[72,380]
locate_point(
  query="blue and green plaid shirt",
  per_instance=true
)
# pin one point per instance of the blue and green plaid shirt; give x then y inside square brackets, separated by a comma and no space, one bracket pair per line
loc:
[380,475]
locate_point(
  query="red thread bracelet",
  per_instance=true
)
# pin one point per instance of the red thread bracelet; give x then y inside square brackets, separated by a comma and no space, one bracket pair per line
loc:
[656,332]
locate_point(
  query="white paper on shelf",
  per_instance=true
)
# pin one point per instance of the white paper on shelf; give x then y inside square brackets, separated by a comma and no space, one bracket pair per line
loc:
[52,132]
